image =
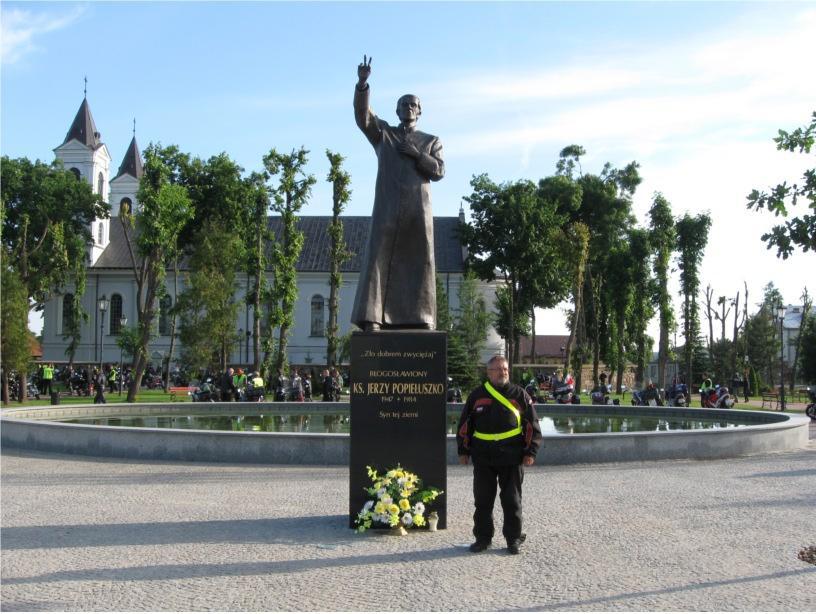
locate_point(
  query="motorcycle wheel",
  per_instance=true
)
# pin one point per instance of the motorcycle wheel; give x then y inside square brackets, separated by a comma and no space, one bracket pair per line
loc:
[810,411]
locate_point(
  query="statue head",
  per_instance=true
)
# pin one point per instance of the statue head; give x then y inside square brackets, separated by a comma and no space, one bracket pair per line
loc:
[409,109]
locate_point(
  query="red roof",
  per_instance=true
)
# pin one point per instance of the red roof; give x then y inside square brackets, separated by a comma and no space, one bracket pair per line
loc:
[547,346]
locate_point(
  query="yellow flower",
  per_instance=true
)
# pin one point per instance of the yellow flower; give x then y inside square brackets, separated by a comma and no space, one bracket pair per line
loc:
[391,474]
[405,505]
[404,494]
[399,474]
[393,509]
[379,508]
[419,520]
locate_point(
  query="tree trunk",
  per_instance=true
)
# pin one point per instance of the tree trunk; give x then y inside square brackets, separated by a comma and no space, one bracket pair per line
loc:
[709,293]
[4,393]
[533,337]
[805,310]
[172,325]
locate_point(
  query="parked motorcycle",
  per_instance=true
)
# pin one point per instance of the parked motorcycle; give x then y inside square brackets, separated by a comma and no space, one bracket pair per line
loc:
[678,396]
[648,397]
[566,394]
[718,398]
[810,410]
[205,393]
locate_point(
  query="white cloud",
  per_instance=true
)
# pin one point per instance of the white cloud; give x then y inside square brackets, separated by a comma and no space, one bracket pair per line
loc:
[20,28]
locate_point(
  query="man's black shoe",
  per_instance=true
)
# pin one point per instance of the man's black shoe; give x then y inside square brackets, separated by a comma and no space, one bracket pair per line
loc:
[514,547]
[479,546]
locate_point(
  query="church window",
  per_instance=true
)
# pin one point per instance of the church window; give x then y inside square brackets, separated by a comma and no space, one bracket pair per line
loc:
[100,183]
[67,312]
[100,234]
[125,206]
[76,172]
[318,321]
[164,314]
[115,314]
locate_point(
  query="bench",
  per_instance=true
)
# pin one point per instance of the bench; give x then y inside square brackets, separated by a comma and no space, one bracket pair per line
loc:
[769,398]
[174,390]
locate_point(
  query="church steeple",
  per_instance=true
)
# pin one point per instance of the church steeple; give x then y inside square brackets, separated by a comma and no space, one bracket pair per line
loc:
[83,129]
[132,162]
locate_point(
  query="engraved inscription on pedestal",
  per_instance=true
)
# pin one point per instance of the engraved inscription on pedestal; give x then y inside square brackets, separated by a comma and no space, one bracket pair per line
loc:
[398,382]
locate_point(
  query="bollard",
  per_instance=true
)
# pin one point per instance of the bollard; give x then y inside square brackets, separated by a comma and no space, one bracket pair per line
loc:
[55,397]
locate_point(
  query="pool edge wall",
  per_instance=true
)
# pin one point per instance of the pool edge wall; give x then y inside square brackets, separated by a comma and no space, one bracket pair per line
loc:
[333,449]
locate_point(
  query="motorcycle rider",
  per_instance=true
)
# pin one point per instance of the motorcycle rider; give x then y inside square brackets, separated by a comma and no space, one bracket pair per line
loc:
[705,387]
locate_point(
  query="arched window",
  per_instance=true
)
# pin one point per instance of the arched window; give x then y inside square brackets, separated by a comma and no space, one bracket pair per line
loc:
[125,206]
[115,314]
[318,322]
[164,314]
[100,233]
[100,183]
[67,312]
[76,172]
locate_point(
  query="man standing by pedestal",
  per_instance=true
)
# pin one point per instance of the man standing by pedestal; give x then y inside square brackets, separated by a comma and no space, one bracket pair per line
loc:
[499,431]
[397,287]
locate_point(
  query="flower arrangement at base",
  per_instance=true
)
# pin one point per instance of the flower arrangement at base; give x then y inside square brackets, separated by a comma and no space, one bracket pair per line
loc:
[397,500]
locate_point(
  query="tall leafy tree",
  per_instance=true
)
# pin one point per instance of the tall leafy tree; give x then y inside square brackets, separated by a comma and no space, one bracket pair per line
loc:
[256,238]
[692,238]
[620,286]
[808,357]
[512,235]
[289,196]
[796,231]
[208,305]
[642,304]
[15,347]
[662,237]
[605,209]
[470,324]
[339,254]
[807,303]
[152,235]
[46,219]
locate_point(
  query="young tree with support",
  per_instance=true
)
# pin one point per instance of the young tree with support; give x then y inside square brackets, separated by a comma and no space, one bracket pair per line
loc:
[289,196]
[339,254]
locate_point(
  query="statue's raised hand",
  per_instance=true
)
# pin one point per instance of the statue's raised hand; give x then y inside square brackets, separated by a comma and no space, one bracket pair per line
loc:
[364,71]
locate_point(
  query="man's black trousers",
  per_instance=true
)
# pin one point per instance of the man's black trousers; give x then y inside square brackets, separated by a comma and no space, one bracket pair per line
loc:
[485,480]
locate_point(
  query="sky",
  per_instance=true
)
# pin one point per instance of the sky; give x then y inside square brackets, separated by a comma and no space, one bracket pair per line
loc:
[694,92]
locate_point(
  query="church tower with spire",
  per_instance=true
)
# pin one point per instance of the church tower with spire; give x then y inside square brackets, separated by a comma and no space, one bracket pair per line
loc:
[124,186]
[84,154]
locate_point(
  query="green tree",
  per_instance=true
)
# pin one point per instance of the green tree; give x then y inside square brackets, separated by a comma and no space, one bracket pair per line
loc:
[642,304]
[620,286]
[290,194]
[256,238]
[807,303]
[208,305]
[605,209]
[761,343]
[797,231]
[513,233]
[152,235]
[692,238]
[15,347]
[662,237]
[470,325]
[46,219]
[808,334]
[339,254]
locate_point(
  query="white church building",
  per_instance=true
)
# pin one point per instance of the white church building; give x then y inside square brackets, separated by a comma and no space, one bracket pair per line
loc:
[110,273]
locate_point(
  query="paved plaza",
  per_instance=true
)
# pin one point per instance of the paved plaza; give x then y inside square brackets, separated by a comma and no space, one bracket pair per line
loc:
[94,534]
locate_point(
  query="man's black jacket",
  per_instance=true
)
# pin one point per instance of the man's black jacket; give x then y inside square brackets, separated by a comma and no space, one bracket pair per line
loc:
[485,414]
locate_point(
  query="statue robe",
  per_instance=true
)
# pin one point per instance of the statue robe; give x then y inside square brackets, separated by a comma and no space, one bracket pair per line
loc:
[397,287]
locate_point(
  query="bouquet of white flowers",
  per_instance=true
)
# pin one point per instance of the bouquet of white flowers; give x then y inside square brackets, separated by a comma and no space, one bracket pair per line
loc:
[397,500]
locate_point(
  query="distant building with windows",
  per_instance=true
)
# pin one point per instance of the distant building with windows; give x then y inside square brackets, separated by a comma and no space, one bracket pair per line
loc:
[110,273]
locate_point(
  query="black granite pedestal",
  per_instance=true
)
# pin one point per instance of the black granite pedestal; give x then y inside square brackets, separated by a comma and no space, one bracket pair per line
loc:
[398,389]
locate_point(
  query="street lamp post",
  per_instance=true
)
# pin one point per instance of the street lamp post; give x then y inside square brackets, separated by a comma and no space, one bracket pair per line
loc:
[248,335]
[122,324]
[240,349]
[780,311]
[102,304]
